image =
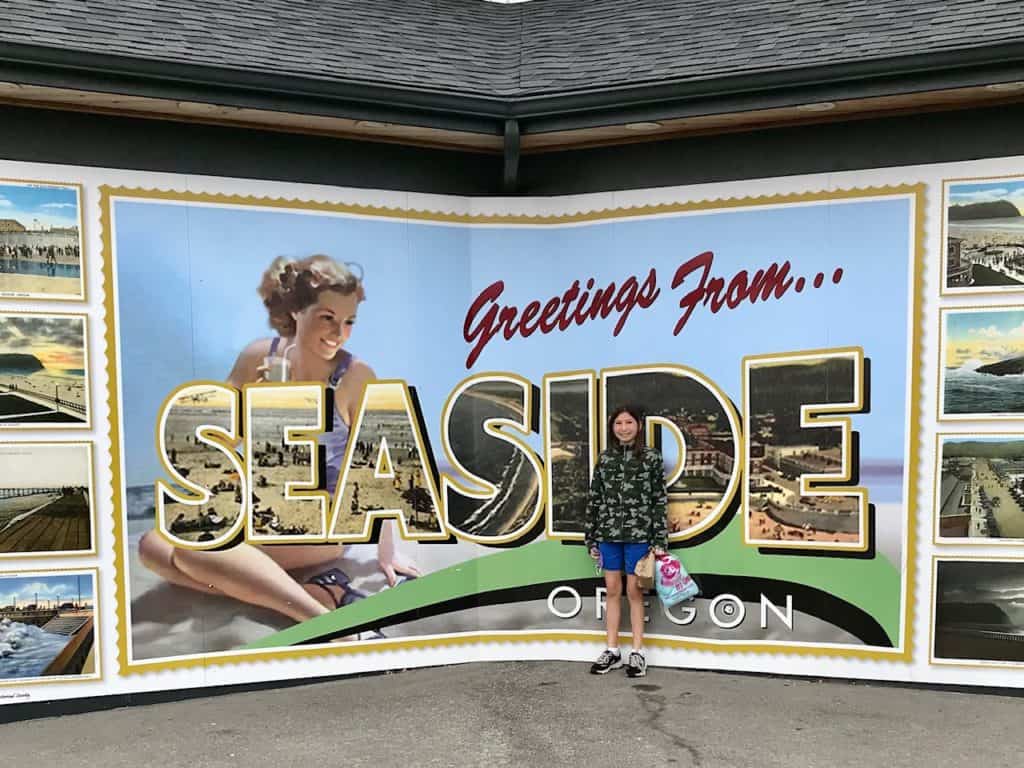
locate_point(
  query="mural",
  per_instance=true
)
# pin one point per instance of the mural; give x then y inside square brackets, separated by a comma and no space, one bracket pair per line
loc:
[301,431]
[353,450]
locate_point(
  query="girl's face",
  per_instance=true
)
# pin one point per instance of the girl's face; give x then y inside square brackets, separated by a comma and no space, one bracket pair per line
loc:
[323,328]
[625,428]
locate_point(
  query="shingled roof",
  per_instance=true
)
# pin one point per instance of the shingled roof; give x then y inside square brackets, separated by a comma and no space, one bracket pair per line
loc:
[520,51]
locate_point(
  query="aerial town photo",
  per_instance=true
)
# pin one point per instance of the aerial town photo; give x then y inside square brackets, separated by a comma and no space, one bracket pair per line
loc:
[677,402]
[980,494]
[782,451]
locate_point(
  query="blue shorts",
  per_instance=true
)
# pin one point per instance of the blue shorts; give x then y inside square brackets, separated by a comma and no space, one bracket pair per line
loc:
[616,556]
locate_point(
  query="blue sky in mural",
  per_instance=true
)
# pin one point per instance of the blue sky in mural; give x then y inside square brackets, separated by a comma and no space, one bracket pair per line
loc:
[187,279]
[36,206]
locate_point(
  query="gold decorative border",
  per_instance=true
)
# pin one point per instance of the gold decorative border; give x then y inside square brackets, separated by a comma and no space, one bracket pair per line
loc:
[83,282]
[97,676]
[916,192]
[944,225]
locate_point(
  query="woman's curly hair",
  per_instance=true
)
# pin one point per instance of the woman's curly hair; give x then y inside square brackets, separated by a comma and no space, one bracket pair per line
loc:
[290,286]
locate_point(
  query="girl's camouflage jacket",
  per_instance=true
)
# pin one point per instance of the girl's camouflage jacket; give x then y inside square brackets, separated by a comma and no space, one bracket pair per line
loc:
[628,499]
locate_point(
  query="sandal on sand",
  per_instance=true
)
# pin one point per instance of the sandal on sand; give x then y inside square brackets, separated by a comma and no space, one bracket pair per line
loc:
[337,578]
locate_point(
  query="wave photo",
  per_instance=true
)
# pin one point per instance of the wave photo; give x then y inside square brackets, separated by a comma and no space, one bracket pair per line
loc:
[982,370]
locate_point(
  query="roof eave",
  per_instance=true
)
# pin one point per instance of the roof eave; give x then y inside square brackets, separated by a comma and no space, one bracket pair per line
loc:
[104,73]
[488,114]
[867,78]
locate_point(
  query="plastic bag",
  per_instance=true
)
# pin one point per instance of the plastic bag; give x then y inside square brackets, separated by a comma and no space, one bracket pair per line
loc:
[674,584]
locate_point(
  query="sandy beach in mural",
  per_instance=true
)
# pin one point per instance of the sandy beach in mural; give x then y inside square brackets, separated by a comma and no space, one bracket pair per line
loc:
[202,465]
[388,467]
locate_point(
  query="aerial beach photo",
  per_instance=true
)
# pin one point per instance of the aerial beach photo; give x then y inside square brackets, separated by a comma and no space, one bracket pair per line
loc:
[984,237]
[982,363]
[43,371]
[46,499]
[570,453]
[517,489]
[40,241]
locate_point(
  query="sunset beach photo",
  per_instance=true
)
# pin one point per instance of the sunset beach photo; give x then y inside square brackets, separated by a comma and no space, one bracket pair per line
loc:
[43,371]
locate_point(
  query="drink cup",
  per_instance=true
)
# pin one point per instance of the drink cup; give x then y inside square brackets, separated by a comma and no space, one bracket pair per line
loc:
[278,368]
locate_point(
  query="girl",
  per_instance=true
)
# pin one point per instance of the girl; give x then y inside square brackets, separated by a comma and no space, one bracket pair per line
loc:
[626,518]
[311,304]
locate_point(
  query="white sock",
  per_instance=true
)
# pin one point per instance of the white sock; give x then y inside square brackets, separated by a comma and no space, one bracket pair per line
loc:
[639,650]
[614,650]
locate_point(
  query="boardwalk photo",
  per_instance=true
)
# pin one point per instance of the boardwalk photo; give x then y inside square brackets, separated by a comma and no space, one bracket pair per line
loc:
[46,499]
[47,625]
[40,241]
[43,371]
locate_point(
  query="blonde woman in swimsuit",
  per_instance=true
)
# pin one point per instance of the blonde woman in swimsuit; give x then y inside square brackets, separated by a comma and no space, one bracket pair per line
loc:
[312,305]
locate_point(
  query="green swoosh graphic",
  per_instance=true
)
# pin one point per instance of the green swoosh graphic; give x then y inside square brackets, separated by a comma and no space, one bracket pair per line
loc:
[871,585]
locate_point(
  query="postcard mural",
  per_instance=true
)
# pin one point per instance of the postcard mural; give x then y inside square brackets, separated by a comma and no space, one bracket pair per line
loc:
[984,236]
[48,627]
[47,504]
[341,429]
[41,241]
[43,371]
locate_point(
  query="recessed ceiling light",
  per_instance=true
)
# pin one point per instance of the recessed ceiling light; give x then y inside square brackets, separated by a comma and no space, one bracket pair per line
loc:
[820,106]
[1016,86]
[646,126]
[371,124]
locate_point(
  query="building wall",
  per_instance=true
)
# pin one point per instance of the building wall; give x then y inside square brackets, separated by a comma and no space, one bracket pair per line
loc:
[163,145]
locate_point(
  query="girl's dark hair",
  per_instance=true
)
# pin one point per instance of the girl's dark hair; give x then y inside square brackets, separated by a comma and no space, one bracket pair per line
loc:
[641,422]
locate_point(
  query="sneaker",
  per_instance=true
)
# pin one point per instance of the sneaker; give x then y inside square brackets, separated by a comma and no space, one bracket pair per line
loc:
[637,666]
[605,663]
